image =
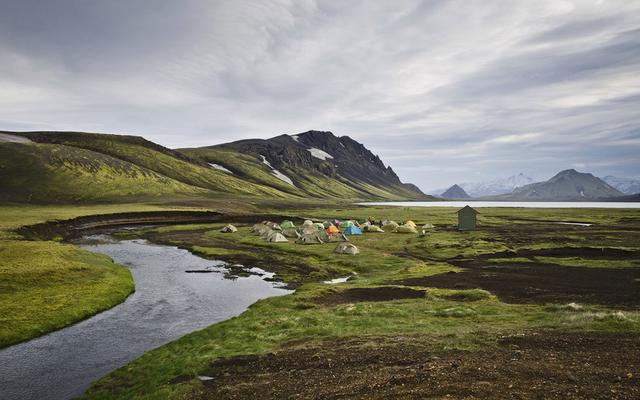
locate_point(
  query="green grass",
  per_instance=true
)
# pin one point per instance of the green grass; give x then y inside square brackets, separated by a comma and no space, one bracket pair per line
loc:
[471,322]
[45,286]
[581,262]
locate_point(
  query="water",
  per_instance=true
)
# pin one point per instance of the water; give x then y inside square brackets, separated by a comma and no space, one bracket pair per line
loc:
[168,303]
[522,204]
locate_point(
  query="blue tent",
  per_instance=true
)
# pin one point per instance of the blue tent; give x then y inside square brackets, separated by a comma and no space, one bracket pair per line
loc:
[352,230]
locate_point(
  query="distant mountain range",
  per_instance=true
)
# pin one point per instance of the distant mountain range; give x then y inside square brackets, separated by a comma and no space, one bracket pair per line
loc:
[567,185]
[58,167]
[625,185]
[455,192]
[491,188]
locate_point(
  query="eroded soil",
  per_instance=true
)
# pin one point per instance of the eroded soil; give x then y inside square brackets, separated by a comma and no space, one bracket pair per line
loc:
[546,365]
[533,282]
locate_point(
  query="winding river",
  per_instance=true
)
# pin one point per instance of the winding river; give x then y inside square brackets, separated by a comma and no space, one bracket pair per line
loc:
[167,304]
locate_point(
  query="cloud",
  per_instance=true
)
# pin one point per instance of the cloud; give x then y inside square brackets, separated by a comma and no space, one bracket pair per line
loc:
[442,90]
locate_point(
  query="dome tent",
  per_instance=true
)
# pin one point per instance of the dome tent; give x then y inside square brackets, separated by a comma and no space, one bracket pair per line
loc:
[352,230]
[286,224]
[346,224]
[405,229]
[229,229]
[332,230]
[372,228]
[277,237]
[309,239]
[390,226]
[346,248]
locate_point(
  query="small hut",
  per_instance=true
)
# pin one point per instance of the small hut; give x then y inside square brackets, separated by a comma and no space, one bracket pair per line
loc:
[467,219]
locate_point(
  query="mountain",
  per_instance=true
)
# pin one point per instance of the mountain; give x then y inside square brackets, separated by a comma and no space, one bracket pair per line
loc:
[58,167]
[567,185]
[313,163]
[497,186]
[625,185]
[455,192]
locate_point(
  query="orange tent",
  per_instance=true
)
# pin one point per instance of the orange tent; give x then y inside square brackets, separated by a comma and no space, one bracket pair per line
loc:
[332,230]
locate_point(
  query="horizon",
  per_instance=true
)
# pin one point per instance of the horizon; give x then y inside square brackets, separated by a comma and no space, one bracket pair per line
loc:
[443,94]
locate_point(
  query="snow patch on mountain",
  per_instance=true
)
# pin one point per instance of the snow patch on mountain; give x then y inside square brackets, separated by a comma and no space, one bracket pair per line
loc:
[275,172]
[497,186]
[625,185]
[219,167]
[317,153]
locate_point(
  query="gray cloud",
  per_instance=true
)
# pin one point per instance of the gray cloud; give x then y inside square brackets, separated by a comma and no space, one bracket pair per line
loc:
[444,91]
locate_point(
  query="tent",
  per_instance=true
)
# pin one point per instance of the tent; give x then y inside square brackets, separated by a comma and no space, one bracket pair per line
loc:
[405,229]
[411,223]
[340,237]
[319,225]
[291,233]
[346,224]
[332,230]
[428,226]
[255,228]
[346,248]
[229,229]
[327,224]
[388,221]
[390,226]
[352,230]
[274,226]
[309,230]
[309,239]
[265,235]
[277,237]
[307,223]
[372,228]
[286,224]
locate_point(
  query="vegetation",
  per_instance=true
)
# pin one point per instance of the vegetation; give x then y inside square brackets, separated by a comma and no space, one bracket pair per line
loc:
[316,312]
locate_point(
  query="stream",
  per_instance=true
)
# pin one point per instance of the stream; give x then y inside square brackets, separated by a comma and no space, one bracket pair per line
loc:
[167,304]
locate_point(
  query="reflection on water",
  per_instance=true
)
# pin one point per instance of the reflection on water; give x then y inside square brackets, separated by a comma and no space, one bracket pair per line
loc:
[168,303]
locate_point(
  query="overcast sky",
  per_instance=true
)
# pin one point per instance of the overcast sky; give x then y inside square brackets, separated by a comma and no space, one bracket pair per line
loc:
[443,91]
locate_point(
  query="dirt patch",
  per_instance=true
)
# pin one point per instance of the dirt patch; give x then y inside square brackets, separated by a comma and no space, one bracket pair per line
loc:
[383,293]
[541,283]
[536,366]
[604,253]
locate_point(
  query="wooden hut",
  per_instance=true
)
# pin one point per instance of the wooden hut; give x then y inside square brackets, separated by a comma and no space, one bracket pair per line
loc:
[467,219]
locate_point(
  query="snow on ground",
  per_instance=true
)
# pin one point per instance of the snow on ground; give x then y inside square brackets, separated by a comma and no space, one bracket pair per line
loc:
[13,138]
[275,172]
[219,167]
[282,177]
[267,163]
[295,137]
[317,153]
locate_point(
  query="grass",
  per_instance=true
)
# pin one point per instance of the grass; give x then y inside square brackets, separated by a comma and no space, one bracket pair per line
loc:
[46,286]
[444,318]
[582,262]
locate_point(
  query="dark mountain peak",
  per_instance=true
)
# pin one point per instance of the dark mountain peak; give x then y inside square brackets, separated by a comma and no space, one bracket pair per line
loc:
[323,154]
[455,192]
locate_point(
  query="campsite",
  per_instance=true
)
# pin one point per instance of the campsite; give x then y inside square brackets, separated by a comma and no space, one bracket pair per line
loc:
[519,285]
[319,200]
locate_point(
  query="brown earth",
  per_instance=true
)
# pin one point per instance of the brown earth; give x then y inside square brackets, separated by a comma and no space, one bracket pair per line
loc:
[534,282]
[381,293]
[545,365]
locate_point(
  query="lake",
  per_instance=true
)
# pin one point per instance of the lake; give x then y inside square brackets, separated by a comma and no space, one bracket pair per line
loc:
[521,204]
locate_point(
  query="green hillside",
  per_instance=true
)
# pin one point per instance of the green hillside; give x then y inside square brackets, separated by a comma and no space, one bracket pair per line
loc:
[52,173]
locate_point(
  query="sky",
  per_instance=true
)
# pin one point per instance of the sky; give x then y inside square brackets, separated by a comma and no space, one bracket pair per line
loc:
[444,91]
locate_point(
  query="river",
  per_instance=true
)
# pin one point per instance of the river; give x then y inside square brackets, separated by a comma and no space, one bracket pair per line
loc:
[167,304]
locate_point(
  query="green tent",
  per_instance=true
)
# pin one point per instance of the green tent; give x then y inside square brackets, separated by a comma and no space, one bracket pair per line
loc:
[320,226]
[291,233]
[346,224]
[287,224]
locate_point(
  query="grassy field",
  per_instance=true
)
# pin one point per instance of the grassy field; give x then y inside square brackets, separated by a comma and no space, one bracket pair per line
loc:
[46,285]
[399,267]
